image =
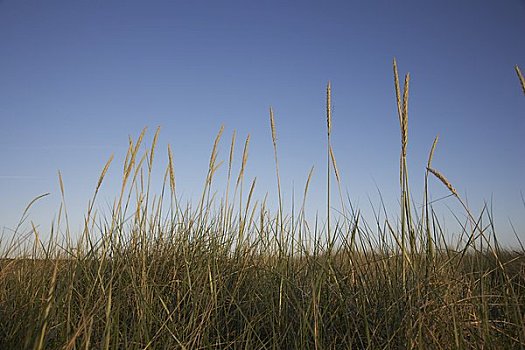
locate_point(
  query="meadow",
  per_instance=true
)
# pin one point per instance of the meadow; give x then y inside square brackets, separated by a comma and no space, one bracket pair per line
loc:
[231,273]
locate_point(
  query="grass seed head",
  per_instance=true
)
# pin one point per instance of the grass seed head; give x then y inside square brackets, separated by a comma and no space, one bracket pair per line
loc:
[444,180]
[272,125]
[171,170]
[398,92]
[431,154]
[520,77]
[335,165]
[404,116]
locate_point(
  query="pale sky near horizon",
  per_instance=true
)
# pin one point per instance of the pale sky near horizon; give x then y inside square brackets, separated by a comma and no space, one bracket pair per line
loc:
[78,77]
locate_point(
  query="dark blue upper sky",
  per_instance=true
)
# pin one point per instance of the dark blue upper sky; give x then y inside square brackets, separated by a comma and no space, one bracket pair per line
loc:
[78,77]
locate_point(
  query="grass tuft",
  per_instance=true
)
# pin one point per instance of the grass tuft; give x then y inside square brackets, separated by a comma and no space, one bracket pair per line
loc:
[228,274]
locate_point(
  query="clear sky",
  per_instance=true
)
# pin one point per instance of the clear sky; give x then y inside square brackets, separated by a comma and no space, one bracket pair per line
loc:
[78,77]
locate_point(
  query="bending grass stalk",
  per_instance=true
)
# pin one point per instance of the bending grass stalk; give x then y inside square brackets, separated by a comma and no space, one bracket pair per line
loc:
[88,219]
[454,192]
[303,205]
[444,181]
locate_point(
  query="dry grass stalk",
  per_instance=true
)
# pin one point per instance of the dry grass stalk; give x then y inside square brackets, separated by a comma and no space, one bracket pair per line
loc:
[274,140]
[329,130]
[39,344]
[230,164]
[444,180]
[328,107]
[131,157]
[520,77]
[310,174]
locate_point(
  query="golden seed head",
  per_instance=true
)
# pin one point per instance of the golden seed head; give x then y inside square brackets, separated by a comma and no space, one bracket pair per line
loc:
[213,155]
[520,77]
[153,145]
[232,146]
[398,92]
[335,165]
[244,158]
[444,180]
[431,154]
[171,170]
[404,116]
[272,125]
[104,171]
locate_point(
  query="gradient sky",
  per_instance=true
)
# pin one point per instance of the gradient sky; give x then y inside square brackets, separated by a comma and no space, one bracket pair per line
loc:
[78,77]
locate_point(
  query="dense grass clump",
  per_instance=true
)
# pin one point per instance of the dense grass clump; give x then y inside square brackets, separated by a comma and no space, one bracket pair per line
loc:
[229,274]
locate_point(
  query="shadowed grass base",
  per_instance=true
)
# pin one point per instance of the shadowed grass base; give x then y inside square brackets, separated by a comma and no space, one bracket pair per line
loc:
[183,294]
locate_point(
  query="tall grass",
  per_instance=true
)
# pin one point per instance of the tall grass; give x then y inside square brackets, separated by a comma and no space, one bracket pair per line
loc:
[154,273]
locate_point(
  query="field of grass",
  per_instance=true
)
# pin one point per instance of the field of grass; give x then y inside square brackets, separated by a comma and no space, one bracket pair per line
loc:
[228,273]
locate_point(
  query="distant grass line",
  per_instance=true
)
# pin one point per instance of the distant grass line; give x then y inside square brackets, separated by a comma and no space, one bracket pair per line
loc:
[154,273]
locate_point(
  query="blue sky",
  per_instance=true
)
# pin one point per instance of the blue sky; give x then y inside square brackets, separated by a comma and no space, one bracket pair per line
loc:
[78,77]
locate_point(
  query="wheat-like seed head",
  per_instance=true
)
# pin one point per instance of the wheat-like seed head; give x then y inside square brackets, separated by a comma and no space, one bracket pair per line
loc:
[335,165]
[232,146]
[153,145]
[272,125]
[128,154]
[213,155]
[398,92]
[310,174]
[245,152]
[444,180]
[104,171]
[171,170]
[520,77]
[132,155]
[61,183]
[404,118]
[431,154]
[244,159]
[328,107]
[139,141]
